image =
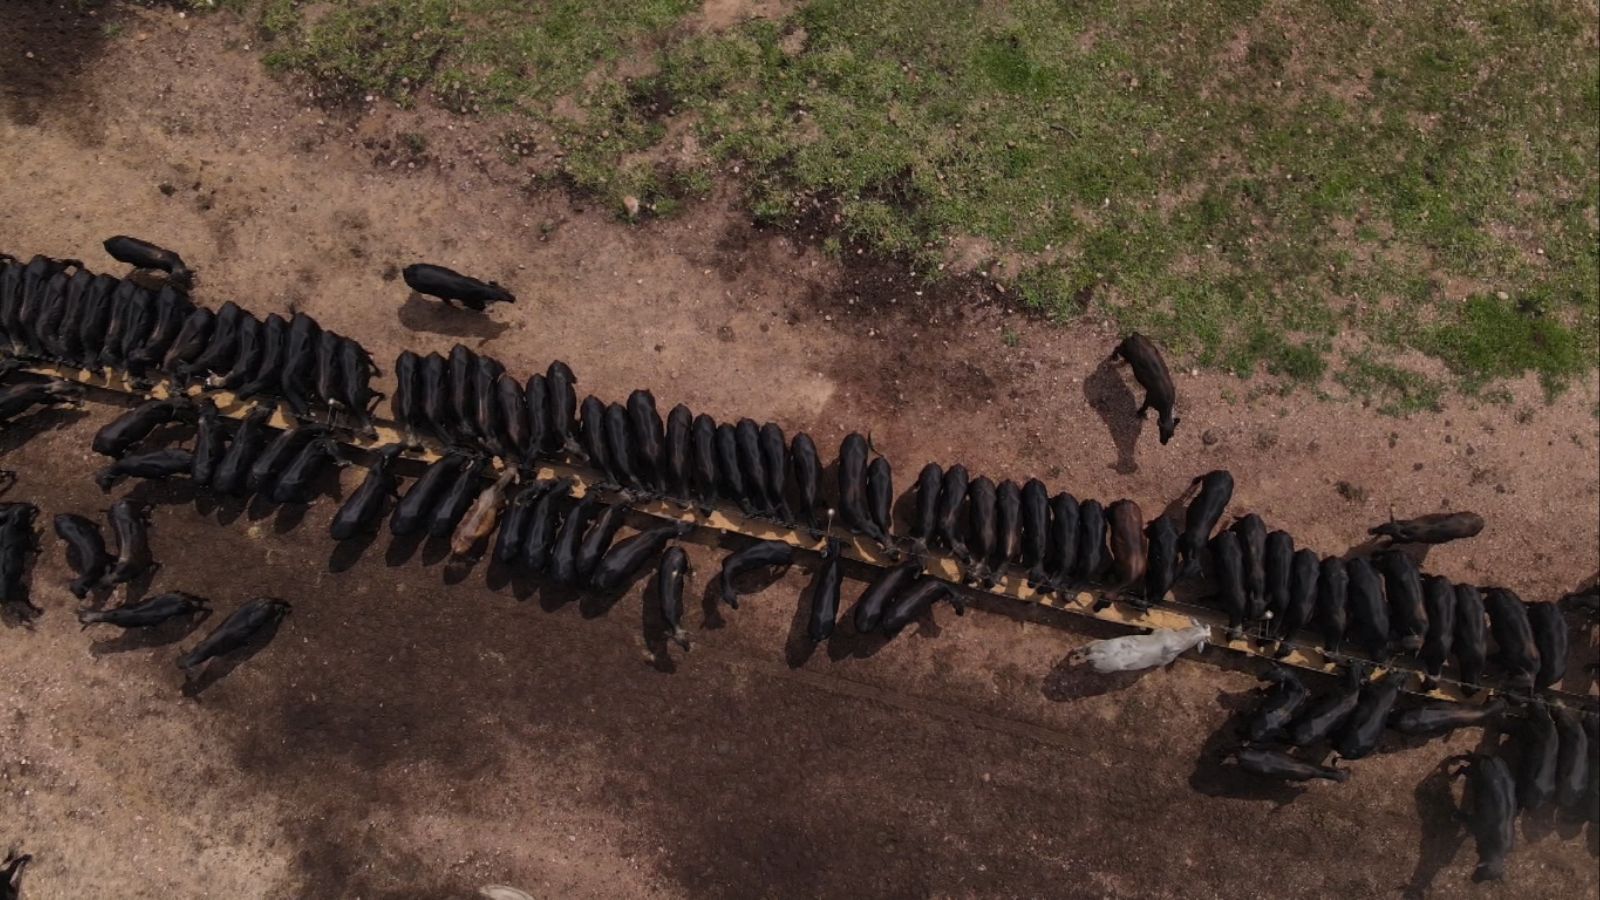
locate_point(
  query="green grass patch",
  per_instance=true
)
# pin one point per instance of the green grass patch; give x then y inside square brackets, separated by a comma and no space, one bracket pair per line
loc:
[1494,338]
[475,55]
[1244,180]
[1397,391]
[1297,362]
[387,47]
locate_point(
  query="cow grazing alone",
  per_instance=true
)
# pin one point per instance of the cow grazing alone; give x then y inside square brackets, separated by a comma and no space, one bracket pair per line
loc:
[452,287]
[145,256]
[1150,370]
[1434,528]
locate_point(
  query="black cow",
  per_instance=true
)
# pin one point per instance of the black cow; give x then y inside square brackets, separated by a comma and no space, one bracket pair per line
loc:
[1150,370]
[452,287]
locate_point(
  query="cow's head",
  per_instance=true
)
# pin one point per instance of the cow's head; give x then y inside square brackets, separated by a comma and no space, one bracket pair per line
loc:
[1167,423]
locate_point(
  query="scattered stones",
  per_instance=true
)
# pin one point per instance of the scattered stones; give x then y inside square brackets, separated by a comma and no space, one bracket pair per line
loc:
[1351,492]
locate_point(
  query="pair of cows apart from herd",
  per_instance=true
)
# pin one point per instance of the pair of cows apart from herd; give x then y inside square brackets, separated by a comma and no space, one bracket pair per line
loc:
[146,327]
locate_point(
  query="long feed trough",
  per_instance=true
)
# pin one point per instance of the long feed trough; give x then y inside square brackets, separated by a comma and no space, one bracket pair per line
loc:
[145,340]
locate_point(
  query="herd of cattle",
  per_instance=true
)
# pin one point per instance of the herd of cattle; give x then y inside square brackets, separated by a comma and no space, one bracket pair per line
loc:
[1547,765]
[482,417]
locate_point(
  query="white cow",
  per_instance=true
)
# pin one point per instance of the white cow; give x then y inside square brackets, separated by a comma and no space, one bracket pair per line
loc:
[1141,651]
[501,892]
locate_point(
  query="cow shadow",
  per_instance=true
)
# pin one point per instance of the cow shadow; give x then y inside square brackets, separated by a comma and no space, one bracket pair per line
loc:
[98,597]
[438,317]
[523,583]
[402,548]
[168,632]
[711,605]
[289,517]
[924,627]
[1568,825]
[1506,742]
[1367,549]
[798,646]
[174,491]
[435,549]
[655,631]
[1177,508]
[1540,824]
[222,666]
[1069,681]
[552,596]
[594,602]
[828,483]
[134,589]
[1116,406]
[225,508]
[1582,659]
[16,432]
[348,552]
[291,513]
[1417,552]
[20,613]
[498,575]
[752,582]
[847,642]
[167,435]
[259,506]
[1442,833]
[1215,777]
[903,511]
[457,568]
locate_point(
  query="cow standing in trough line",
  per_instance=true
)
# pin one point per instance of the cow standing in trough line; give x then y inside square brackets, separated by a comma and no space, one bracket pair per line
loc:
[1150,370]
[452,287]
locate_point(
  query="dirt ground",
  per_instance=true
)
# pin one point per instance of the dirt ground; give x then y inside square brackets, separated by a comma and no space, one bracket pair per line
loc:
[415,733]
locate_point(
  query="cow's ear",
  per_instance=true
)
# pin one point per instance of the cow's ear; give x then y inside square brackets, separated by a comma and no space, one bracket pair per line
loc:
[1175,421]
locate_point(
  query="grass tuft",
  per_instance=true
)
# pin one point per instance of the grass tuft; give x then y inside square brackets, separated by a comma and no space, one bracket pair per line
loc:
[1492,338]
[1397,391]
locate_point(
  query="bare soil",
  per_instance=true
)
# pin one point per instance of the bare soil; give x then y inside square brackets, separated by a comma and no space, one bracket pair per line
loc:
[412,732]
